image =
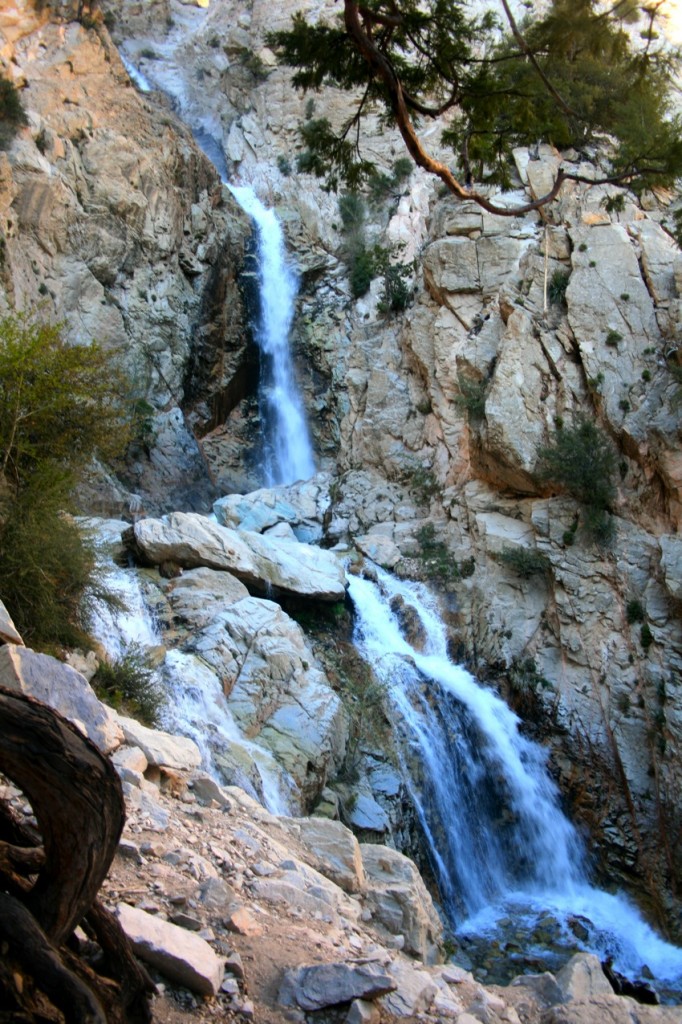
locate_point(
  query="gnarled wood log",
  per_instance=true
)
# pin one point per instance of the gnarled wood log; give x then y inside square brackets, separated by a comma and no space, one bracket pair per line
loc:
[77,801]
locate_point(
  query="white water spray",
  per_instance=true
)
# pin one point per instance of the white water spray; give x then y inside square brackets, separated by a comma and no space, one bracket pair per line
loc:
[500,844]
[195,704]
[288,451]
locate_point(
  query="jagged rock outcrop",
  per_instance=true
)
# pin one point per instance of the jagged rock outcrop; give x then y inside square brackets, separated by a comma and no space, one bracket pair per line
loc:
[112,221]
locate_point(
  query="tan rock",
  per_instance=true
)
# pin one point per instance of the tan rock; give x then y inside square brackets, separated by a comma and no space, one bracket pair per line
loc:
[160,748]
[243,922]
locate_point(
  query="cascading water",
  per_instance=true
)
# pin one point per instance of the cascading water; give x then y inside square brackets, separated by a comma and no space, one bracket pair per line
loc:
[288,452]
[499,842]
[195,704]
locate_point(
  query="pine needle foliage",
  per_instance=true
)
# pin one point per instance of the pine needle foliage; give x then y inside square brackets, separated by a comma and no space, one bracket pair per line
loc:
[574,74]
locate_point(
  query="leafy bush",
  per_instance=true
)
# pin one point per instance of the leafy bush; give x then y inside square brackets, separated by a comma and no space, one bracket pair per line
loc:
[437,561]
[59,405]
[361,271]
[582,461]
[130,685]
[12,115]
[646,636]
[525,562]
[612,338]
[47,566]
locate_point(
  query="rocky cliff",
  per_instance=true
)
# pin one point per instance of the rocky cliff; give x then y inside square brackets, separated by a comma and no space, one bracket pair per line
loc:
[430,419]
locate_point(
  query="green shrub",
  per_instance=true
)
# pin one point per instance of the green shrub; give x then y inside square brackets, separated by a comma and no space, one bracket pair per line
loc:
[614,204]
[129,684]
[558,283]
[437,561]
[582,461]
[525,562]
[284,165]
[634,611]
[612,338]
[646,376]
[353,212]
[361,271]
[59,405]
[47,566]
[471,396]
[646,636]
[12,115]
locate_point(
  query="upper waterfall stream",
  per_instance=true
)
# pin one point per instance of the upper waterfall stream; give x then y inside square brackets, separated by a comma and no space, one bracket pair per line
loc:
[287,449]
[499,843]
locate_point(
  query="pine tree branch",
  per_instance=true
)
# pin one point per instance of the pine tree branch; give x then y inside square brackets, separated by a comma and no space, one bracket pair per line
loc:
[518,36]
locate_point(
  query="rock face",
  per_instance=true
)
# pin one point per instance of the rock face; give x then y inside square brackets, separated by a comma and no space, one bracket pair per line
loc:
[115,224]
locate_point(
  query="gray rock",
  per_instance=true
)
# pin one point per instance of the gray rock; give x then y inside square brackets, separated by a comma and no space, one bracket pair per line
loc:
[335,849]
[671,563]
[363,1012]
[192,540]
[312,988]
[160,748]
[414,990]
[399,900]
[543,986]
[582,978]
[183,957]
[62,688]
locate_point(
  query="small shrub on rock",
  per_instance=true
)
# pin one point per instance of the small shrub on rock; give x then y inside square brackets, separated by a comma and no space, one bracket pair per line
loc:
[525,562]
[129,684]
[582,461]
[12,115]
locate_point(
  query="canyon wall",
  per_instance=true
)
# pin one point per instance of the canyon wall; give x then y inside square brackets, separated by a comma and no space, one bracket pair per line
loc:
[430,419]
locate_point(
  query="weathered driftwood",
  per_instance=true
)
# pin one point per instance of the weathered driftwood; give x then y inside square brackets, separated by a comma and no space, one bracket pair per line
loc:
[49,881]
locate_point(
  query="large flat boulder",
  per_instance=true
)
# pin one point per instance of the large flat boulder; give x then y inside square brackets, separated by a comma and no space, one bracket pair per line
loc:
[184,958]
[313,988]
[62,688]
[161,748]
[266,563]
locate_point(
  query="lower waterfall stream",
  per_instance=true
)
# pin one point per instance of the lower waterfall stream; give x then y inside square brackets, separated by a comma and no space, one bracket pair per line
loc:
[505,856]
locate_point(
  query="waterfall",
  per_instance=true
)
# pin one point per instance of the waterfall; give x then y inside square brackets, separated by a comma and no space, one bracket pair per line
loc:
[288,452]
[499,841]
